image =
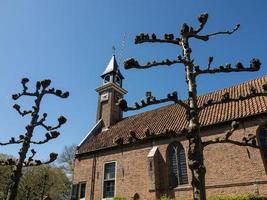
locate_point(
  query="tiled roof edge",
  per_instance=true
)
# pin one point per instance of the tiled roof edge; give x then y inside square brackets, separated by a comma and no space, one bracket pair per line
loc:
[160,136]
[200,96]
[91,133]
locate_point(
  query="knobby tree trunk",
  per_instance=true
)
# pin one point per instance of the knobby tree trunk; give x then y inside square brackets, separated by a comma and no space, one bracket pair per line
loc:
[17,172]
[195,150]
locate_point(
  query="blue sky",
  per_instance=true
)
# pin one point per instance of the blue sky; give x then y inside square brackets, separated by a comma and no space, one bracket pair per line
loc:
[70,42]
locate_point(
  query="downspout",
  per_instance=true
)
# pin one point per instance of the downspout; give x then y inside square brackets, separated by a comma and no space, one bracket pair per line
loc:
[93,178]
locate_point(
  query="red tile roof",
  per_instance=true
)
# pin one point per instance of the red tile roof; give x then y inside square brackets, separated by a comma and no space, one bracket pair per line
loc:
[173,117]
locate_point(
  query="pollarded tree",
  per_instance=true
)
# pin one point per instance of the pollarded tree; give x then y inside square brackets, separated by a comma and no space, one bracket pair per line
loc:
[192,70]
[37,120]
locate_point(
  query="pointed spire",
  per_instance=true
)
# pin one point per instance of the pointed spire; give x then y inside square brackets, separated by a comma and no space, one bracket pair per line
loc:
[112,68]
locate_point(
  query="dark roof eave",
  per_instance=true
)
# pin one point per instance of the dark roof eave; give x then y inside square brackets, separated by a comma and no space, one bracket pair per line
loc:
[160,136]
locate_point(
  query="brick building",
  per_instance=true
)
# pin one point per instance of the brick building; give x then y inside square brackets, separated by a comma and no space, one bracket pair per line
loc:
[112,161]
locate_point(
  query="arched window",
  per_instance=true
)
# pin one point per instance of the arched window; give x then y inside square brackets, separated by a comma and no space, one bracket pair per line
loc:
[107,79]
[177,165]
[262,139]
[118,80]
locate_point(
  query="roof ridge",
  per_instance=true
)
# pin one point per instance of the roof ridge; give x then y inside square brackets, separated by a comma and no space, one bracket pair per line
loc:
[232,86]
[200,96]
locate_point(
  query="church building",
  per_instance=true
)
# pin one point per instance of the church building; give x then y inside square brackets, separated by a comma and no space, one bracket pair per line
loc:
[117,158]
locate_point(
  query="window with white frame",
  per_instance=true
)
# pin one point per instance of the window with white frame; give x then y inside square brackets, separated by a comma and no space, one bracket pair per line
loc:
[78,191]
[109,180]
[82,191]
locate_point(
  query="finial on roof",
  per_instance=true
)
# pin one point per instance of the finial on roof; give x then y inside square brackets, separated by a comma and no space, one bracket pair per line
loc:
[113,50]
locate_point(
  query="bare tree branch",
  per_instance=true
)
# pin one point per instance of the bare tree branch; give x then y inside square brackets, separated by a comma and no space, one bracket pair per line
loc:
[207,37]
[248,141]
[13,141]
[46,127]
[58,93]
[31,157]
[42,119]
[49,136]
[18,95]
[227,99]
[188,32]
[22,113]
[45,90]
[255,65]
[61,120]
[132,63]
[151,100]
[229,32]
[24,82]
[239,143]
[202,18]
[169,38]
[53,157]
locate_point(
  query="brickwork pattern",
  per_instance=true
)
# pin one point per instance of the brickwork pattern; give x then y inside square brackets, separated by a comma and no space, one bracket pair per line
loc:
[230,169]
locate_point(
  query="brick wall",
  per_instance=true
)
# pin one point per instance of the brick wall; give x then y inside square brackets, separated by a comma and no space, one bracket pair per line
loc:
[107,110]
[230,169]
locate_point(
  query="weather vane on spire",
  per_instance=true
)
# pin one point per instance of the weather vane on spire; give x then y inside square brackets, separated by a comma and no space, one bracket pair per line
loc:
[113,50]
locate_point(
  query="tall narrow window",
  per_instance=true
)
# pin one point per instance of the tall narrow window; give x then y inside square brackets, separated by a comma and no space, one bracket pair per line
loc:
[173,166]
[109,180]
[262,136]
[183,179]
[82,191]
[177,165]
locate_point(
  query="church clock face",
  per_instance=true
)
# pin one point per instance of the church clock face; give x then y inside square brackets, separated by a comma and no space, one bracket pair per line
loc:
[104,97]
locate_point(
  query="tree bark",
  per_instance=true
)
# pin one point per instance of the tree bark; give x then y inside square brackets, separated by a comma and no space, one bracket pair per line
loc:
[17,172]
[195,150]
